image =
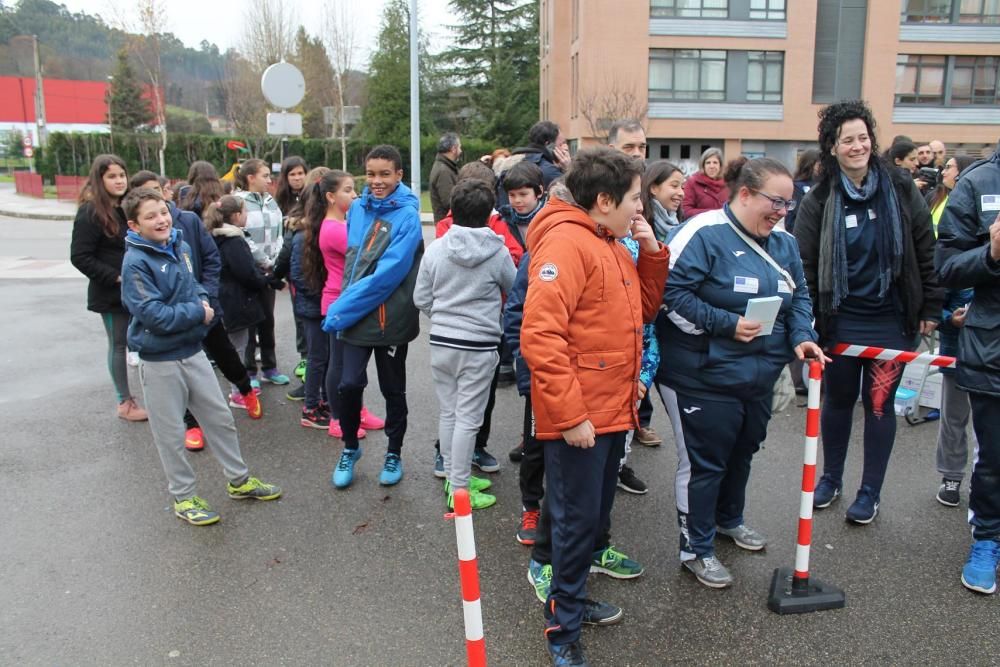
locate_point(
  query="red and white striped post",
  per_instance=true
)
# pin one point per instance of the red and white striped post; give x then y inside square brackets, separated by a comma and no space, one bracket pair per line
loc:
[792,592]
[468,571]
[885,354]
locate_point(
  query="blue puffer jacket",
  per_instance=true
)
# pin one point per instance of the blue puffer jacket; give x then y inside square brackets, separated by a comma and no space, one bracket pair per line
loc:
[305,302]
[385,243]
[963,260]
[159,289]
[204,253]
[713,273]
[513,314]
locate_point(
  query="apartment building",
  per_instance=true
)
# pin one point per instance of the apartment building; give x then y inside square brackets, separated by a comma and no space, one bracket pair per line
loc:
[748,76]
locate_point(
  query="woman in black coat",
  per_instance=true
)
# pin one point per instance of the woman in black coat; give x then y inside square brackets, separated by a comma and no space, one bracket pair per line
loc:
[97,249]
[867,248]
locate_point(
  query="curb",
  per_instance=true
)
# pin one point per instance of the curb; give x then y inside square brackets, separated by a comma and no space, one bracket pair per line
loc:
[56,217]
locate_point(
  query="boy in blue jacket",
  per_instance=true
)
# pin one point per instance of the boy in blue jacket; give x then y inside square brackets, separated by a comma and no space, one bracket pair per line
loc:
[170,317]
[374,313]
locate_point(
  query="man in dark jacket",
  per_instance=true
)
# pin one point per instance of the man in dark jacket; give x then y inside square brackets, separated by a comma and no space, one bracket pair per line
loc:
[968,255]
[444,173]
[547,148]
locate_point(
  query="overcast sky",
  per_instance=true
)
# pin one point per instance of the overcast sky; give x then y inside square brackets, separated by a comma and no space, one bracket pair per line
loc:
[219,21]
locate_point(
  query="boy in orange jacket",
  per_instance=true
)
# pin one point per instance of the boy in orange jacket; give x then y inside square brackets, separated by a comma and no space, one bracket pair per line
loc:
[582,340]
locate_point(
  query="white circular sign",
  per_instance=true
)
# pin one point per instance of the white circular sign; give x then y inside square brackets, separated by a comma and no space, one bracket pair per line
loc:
[283,85]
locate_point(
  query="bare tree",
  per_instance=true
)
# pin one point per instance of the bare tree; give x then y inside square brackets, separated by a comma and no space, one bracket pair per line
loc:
[142,36]
[268,32]
[339,28]
[603,105]
[244,103]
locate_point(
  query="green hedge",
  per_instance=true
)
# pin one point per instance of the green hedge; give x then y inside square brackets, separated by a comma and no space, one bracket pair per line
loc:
[71,154]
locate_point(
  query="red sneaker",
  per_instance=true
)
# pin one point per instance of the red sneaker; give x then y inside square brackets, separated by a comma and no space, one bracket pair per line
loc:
[335,432]
[370,421]
[194,441]
[253,406]
[529,527]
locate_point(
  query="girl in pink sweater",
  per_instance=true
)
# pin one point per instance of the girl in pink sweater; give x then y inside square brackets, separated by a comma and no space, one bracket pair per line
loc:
[323,266]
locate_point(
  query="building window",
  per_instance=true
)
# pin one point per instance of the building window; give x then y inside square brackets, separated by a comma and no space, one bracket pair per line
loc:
[765,71]
[950,81]
[974,80]
[687,74]
[693,9]
[951,11]
[920,79]
[767,10]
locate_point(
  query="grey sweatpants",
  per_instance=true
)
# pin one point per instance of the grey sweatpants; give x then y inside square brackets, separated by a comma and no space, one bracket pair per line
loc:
[953,442]
[462,381]
[170,387]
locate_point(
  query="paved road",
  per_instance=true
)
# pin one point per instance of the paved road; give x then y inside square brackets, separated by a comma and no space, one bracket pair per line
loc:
[95,570]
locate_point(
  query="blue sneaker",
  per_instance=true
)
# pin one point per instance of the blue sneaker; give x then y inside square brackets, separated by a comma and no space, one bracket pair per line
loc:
[864,509]
[439,465]
[485,461]
[343,474]
[826,492]
[980,571]
[392,470]
[274,377]
[567,655]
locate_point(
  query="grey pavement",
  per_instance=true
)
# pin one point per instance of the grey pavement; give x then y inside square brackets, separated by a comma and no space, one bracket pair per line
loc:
[95,569]
[16,205]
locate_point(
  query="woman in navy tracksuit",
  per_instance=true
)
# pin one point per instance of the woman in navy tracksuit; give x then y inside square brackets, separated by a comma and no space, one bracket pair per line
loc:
[718,380]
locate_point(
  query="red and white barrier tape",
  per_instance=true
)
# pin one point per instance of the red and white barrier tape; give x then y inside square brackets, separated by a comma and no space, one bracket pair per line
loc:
[468,570]
[885,354]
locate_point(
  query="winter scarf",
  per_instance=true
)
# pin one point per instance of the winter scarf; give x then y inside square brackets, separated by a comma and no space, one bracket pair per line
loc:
[878,192]
[663,220]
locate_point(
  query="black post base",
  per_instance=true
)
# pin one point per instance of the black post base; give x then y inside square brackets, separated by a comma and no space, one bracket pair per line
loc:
[816,596]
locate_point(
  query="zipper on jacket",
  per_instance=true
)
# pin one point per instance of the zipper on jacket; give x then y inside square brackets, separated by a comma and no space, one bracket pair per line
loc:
[371,240]
[381,318]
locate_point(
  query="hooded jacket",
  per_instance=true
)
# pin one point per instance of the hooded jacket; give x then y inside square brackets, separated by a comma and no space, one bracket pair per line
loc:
[263,226]
[963,260]
[499,227]
[460,285]
[702,193]
[583,316]
[159,289]
[384,246]
[204,253]
[240,281]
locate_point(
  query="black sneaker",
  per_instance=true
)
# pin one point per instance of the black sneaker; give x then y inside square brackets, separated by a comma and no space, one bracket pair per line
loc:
[297,394]
[627,481]
[948,492]
[601,613]
[506,377]
[567,655]
[515,455]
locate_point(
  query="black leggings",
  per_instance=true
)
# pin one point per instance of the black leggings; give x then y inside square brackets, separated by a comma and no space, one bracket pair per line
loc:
[878,381]
[227,359]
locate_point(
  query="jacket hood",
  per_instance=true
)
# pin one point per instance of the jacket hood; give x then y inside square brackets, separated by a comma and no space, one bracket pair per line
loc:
[228,230]
[401,197]
[558,212]
[171,248]
[470,247]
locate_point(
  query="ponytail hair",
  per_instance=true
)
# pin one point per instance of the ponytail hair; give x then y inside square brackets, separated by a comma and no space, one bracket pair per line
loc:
[751,174]
[315,206]
[221,212]
[248,169]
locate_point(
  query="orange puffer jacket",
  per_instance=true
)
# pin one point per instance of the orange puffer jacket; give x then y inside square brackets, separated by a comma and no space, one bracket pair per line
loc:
[583,317]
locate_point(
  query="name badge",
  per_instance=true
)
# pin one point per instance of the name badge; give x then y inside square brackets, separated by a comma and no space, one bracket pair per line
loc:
[852,221]
[991,202]
[745,285]
[783,287]
[871,214]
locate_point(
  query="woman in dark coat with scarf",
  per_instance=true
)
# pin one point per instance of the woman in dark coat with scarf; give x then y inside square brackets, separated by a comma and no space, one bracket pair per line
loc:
[867,247]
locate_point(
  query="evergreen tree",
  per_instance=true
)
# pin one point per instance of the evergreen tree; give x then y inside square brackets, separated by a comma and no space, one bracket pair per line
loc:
[312,60]
[127,107]
[495,59]
[386,117]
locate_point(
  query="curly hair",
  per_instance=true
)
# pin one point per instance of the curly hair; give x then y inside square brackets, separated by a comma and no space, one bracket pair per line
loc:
[831,118]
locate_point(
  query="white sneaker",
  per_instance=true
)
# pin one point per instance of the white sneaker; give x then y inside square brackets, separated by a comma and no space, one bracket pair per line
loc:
[132,358]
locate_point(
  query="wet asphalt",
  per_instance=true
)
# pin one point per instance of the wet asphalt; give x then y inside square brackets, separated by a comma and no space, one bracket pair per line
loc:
[96,570]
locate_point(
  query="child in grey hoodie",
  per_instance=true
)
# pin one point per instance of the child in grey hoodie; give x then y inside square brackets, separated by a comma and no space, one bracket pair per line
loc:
[459,286]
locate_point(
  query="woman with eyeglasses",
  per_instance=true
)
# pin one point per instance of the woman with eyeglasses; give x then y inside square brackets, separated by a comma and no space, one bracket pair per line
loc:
[868,251]
[717,382]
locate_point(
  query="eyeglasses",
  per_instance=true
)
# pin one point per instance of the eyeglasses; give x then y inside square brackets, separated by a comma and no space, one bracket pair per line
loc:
[777,203]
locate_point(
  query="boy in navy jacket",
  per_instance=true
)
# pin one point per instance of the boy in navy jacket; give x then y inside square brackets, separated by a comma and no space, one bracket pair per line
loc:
[170,317]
